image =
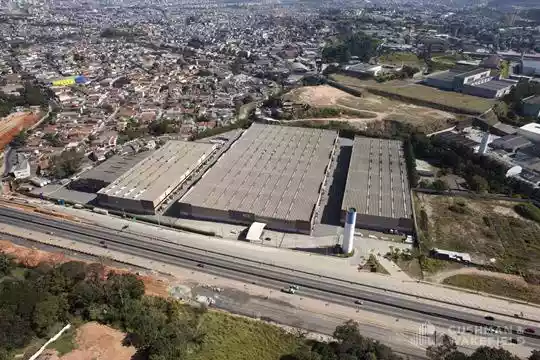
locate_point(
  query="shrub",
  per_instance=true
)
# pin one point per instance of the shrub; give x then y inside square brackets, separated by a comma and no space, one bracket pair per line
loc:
[528,211]
[459,208]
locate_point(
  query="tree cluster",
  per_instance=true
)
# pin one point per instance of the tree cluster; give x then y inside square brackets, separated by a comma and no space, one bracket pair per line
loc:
[31,95]
[66,164]
[437,185]
[405,73]
[358,44]
[529,211]
[410,162]
[349,345]
[20,139]
[53,139]
[51,296]
[447,350]
[132,131]
[509,108]
[161,127]
[482,174]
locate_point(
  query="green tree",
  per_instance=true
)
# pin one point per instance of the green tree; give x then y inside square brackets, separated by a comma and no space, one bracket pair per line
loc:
[500,109]
[46,314]
[303,353]
[347,332]
[440,185]
[74,271]
[359,44]
[15,331]
[122,287]
[66,164]
[53,139]
[6,264]
[456,355]
[535,355]
[487,353]
[505,69]
[446,347]
[20,139]
[478,184]
[84,294]
[146,326]
[529,211]
[5,355]
[410,162]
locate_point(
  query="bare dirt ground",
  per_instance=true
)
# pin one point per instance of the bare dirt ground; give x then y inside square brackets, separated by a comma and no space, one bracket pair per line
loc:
[489,230]
[31,257]
[439,277]
[99,342]
[382,108]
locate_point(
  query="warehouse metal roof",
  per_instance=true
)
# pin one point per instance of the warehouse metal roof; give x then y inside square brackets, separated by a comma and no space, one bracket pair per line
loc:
[377,180]
[114,167]
[158,174]
[271,171]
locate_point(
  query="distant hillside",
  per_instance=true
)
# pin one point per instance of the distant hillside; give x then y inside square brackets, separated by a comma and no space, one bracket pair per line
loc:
[507,4]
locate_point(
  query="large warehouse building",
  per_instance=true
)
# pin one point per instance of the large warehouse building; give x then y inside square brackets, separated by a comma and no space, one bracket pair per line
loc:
[272,174]
[377,186]
[142,188]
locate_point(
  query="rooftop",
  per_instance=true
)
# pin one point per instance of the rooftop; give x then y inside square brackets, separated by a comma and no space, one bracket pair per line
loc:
[510,142]
[156,175]
[534,99]
[377,180]
[531,127]
[473,72]
[271,171]
[495,84]
[113,168]
[447,75]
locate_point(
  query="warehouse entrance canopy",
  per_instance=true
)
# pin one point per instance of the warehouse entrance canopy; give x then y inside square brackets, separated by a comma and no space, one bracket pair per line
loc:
[255,231]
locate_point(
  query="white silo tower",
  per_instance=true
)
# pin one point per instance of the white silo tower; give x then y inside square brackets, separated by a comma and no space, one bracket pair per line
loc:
[348,231]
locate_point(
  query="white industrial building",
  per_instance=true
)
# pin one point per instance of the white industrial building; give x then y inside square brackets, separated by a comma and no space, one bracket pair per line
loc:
[147,184]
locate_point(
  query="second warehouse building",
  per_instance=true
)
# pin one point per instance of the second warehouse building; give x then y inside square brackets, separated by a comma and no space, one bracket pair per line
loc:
[377,186]
[146,185]
[272,174]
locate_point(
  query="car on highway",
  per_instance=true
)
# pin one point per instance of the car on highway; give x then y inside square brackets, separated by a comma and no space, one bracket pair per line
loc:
[489,317]
[50,233]
[295,287]
[200,265]
[530,330]
[359,302]
[289,290]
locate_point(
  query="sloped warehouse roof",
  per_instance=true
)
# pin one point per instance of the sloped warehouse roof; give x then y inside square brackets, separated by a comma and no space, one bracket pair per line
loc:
[148,182]
[273,174]
[377,185]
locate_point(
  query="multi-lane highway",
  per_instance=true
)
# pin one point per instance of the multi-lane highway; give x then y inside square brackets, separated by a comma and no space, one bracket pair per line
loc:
[327,289]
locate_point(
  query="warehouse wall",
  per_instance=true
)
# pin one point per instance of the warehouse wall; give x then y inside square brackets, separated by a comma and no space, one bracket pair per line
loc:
[235,217]
[128,205]
[381,223]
